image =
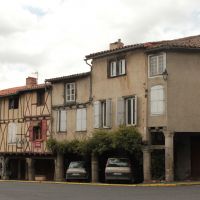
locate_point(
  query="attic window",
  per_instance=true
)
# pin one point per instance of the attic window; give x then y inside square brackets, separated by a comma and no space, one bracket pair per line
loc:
[13,102]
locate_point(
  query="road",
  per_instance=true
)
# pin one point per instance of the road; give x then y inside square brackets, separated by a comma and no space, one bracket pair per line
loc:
[43,191]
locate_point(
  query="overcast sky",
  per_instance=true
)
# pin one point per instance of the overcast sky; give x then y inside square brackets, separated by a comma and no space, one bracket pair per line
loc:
[53,36]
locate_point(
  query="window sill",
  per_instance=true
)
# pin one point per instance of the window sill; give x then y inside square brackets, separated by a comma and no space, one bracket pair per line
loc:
[116,76]
[13,143]
[85,131]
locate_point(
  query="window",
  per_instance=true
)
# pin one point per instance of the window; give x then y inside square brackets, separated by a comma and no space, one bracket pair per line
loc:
[61,121]
[81,119]
[117,68]
[70,92]
[103,114]
[38,130]
[14,102]
[12,132]
[127,111]
[157,64]
[40,98]
[157,100]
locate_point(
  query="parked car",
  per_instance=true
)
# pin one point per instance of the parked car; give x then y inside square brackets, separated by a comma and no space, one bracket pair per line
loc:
[76,171]
[118,169]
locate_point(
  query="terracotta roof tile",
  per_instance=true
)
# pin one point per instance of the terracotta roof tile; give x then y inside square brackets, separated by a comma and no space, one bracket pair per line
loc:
[72,76]
[16,90]
[186,42]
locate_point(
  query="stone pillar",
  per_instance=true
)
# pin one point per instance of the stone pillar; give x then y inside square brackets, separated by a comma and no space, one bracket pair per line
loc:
[147,164]
[30,169]
[4,171]
[169,156]
[95,168]
[59,167]
[19,170]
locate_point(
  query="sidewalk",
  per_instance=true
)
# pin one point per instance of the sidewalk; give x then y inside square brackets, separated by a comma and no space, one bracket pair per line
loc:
[160,184]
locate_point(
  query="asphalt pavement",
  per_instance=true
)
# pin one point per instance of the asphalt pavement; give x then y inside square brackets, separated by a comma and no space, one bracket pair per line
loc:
[46,191]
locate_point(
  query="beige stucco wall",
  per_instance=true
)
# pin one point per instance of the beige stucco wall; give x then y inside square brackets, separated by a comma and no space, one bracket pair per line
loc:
[183,91]
[133,83]
[82,97]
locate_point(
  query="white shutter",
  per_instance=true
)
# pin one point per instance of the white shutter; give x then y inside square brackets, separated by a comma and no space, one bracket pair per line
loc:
[84,119]
[123,66]
[97,114]
[120,111]
[135,111]
[12,132]
[63,120]
[57,120]
[78,119]
[108,113]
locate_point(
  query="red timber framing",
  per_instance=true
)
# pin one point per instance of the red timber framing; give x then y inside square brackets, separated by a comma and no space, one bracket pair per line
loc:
[26,127]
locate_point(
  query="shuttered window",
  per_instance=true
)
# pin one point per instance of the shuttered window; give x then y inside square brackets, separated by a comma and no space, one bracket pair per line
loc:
[12,132]
[157,100]
[103,114]
[126,111]
[61,121]
[81,119]
[117,67]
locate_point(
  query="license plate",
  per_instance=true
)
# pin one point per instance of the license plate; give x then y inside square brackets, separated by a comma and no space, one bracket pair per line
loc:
[75,174]
[117,173]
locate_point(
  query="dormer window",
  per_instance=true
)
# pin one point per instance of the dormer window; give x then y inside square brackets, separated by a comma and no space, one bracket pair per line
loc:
[70,92]
[116,67]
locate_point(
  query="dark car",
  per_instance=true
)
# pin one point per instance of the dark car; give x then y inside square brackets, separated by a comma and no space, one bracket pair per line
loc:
[76,171]
[118,169]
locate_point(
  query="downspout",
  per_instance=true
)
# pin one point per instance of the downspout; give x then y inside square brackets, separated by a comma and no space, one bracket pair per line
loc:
[90,97]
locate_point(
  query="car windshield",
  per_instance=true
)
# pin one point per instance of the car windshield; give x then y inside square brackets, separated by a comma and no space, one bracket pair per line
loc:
[118,162]
[77,164]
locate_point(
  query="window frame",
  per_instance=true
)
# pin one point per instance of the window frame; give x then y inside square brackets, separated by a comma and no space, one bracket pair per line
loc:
[13,102]
[40,97]
[71,100]
[157,74]
[133,106]
[120,67]
[10,139]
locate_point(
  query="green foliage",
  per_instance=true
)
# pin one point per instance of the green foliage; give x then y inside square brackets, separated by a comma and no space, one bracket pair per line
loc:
[125,139]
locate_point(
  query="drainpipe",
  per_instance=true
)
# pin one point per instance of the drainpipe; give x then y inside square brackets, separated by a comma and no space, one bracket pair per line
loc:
[86,61]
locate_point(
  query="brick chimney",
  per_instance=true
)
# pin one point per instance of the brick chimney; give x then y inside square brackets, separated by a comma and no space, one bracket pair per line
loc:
[116,45]
[31,81]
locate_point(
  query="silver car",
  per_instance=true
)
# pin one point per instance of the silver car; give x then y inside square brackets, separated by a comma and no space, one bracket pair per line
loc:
[76,171]
[118,169]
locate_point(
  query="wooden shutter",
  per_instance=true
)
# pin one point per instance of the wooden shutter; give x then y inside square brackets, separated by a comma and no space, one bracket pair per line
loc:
[63,120]
[31,132]
[84,119]
[120,111]
[78,120]
[57,120]
[97,114]
[135,111]
[108,113]
[9,132]
[44,129]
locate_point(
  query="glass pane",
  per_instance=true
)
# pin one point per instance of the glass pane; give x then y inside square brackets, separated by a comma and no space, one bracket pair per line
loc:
[129,111]
[160,64]
[153,65]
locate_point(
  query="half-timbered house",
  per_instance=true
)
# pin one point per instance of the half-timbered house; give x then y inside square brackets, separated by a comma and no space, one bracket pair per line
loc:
[25,124]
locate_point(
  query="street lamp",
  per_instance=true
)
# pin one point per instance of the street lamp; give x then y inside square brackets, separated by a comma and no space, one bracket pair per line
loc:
[165,74]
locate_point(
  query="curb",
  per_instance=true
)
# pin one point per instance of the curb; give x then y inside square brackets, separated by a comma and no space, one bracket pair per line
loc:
[174,184]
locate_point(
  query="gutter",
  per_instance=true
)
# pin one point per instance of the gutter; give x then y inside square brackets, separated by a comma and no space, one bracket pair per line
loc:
[90,97]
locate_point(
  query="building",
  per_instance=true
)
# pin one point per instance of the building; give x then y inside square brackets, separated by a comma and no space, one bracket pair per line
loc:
[25,125]
[71,111]
[153,86]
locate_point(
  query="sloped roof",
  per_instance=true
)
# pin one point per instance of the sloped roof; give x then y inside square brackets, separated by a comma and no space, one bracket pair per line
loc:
[191,42]
[69,77]
[16,90]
